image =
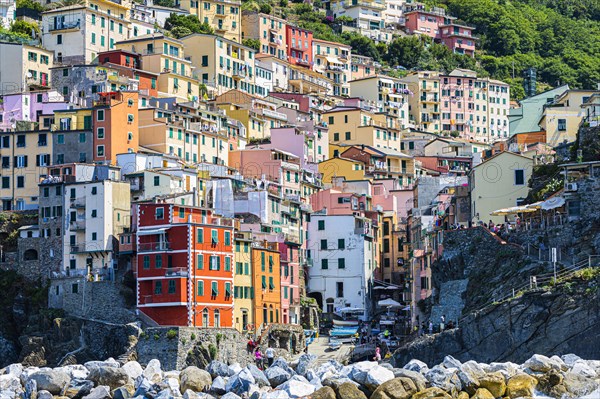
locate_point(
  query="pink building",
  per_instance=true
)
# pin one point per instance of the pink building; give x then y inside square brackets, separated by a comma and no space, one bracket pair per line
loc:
[290,281]
[338,203]
[441,27]
[457,102]
[31,107]
[299,46]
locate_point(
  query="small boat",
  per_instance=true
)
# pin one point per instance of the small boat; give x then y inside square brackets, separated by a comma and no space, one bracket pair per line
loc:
[335,345]
[345,323]
[343,331]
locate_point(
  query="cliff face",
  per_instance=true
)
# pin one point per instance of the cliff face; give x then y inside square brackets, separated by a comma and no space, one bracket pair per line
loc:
[561,320]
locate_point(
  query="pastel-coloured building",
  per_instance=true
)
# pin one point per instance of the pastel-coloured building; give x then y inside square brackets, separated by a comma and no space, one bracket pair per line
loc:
[299,46]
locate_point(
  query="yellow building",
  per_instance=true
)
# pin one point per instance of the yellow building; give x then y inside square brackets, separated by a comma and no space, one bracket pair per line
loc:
[77,33]
[341,167]
[221,64]
[269,30]
[306,81]
[334,61]
[256,114]
[165,56]
[224,16]
[561,118]
[24,68]
[499,182]
[243,287]
[425,100]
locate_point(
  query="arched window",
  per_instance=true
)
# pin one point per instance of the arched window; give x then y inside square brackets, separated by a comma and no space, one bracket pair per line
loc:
[205,318]
[217,319]
[30,254]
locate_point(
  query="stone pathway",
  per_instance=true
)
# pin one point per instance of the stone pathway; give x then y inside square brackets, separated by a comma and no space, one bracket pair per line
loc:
[320,348]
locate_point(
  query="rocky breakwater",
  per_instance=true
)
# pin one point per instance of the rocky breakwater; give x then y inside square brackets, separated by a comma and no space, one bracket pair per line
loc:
[559,377]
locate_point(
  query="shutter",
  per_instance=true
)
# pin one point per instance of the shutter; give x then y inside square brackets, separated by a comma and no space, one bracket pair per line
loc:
[25,160]
[37,160]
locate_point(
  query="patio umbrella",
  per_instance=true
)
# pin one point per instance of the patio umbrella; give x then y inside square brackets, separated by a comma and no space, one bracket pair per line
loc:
[389,303]
[552,203]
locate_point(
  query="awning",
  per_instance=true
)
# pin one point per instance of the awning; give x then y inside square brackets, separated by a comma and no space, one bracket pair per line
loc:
[333,60]
[553,203]
[389,303]
[149,232]
[512,211]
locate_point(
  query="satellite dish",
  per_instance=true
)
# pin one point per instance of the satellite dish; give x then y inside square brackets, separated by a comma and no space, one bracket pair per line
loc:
[29,75]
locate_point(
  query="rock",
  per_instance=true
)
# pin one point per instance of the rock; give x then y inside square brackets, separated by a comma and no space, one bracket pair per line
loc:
[482,393]
[474,368]
[153,371]
[143,386]
[316,382]
[541,363]
[520,385]
[217,369]
[359,371]
[133,369]
[218,386]
[240,383]
[166,393]
[468,381]
[99,363]
[432,393]
[297,389]
[305,362]
[100,392]
[416,365]
[230,395]
[234,368]
[27,372]
[451,363]
[349,391]
[259,376]
[570,359]
[324,393]
[507,369]
[173,385]
[111,376]
[51,380]
[417,378]
[494,382]
[30,389]
[377,376]
[445,379]
[282,363]
[558,361]
[462,395]
[277,394]
[276,375]
[43,394]
[78,388]
[75,371]
[398,388]
[335,382]
[121,393]
[195,379]
[577,385]
[582,368]
[15,369]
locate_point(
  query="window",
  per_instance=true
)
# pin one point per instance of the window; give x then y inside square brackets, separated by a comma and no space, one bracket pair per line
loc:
[227,238]
[339,288]
[214,263]
[94,190]
[100,133]
[158,287]
[75,288]
[341,243]
[171,286]
[159,213]
[264,282]
[158,261]
[94,236]
[323,244]
[94,213]
[562,125]
[200,235]
[341,263]
[348,136]
[271,284]
[200,262]
[100,115]
[156,181]
[200,289]
[100,150]
[20,181]
[146,261]
[214,237]
[321,225]
[214,290]
[519,177]
[324,264]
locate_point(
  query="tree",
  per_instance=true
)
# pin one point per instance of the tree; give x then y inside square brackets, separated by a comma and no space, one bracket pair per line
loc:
[32,5]
[405,51]
[165,3]
[252,43]
[190,22]
[180,31]
[266,8]
[25,28]
[361,45]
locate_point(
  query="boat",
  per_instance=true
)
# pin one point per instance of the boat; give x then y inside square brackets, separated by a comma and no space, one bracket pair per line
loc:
[343,331]
[345,323]
[310,336]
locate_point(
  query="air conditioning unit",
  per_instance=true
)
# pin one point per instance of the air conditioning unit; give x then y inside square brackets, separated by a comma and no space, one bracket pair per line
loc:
[571,187]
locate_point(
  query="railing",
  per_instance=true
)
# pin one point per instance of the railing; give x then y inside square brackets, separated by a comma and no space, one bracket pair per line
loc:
[64,25]
[153,246]
[176,272]
[77,225]
[78,202]
[374,4]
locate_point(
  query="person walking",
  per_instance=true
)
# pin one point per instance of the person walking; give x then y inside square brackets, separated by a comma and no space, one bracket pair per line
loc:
[270,353]
[258,358]
[377,357]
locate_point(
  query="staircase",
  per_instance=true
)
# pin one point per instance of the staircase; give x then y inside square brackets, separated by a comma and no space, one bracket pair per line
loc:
[451,302]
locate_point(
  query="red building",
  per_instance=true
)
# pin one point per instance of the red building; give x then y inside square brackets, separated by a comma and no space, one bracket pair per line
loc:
[184,265]
[299,46]
[129,64]
[443,29]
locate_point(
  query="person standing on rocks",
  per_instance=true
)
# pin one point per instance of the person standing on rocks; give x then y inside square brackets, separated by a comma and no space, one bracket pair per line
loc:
[377,357]
[430,327]
[442,322]
[270,352]
[258,358]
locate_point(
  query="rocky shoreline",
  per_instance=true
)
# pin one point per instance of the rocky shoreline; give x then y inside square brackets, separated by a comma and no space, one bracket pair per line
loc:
[563,377]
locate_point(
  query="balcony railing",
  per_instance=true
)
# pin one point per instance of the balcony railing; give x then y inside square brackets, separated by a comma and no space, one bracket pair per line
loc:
[77,225]
[176,272]
[78,202]
[64,25]
[153,246]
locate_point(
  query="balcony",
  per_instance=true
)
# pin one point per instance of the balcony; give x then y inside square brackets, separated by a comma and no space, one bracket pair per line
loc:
[176,272]
[154,246]
[375,5]
[240,74]
[64,26]
[77,225]
[78,202]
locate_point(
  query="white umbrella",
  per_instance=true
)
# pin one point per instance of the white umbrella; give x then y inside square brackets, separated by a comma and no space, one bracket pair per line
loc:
[389,303]
[552,203]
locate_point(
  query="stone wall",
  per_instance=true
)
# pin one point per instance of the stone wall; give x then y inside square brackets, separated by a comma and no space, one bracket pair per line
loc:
[284,337]
[179,347]
[100,300]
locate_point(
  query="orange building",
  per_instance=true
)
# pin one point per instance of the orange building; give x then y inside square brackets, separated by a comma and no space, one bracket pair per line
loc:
[266,278]
[184,265]
[116,130]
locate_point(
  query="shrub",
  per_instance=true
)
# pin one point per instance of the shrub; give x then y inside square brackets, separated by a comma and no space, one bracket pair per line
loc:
[212,350]
[219,338]
[171,334]
[156,337]
[193,336]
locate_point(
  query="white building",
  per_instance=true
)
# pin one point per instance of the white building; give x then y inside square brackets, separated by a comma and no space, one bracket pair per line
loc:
[7,12]
[341,251]
[394,12]
[264,77]
[145,16]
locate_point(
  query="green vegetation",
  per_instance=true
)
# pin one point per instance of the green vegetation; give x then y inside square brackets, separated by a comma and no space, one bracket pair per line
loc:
[183,25]
[193,336]
[219,337]
[212,350]
[33,5]
[165,3]
[252,43]
[171,334]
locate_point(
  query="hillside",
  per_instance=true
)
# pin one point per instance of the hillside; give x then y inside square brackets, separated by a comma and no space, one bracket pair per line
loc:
[559,38]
